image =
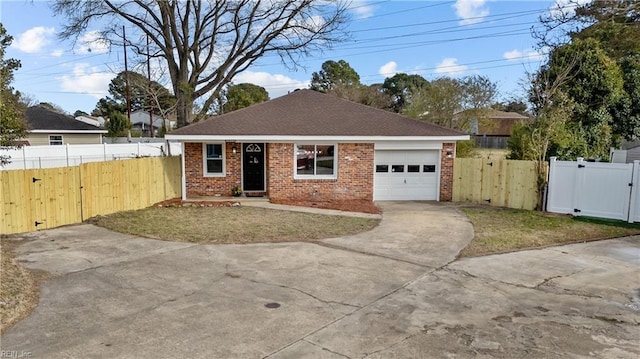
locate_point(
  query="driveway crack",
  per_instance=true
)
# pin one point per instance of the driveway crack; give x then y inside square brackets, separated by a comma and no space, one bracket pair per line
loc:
[238,276]
[390,346]
[539,287]
[326,349]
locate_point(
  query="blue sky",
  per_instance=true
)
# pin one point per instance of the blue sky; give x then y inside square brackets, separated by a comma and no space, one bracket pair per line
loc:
[430,38]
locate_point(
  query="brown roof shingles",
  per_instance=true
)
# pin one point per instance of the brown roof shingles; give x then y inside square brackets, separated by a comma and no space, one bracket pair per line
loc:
[310,113]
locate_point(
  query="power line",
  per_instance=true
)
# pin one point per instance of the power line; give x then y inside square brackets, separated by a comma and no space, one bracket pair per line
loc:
[482,18]
[380,48]
[402,11]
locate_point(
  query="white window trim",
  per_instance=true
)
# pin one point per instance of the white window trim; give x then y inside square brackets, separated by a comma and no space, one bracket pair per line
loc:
[204,160]
[61,140]
[312,177]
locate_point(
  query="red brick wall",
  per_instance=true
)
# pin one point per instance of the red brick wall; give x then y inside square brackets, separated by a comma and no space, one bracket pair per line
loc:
[198,185]
[446,172]
[354,182]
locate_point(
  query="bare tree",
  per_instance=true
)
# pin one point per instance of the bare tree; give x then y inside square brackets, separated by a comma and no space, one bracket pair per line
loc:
[206,43]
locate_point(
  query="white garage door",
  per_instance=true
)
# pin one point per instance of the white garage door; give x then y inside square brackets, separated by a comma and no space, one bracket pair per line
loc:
[406,175]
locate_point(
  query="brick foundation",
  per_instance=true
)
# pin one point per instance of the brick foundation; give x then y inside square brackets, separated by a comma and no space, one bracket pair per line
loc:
[446,171]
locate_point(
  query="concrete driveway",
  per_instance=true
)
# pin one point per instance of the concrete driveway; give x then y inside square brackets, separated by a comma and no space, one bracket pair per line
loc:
[394,292]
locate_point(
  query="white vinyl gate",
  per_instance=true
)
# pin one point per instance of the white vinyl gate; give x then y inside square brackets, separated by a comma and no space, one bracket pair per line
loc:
[597,189]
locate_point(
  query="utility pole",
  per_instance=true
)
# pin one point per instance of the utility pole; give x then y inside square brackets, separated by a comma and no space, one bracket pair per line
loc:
[149,99]
[126,75]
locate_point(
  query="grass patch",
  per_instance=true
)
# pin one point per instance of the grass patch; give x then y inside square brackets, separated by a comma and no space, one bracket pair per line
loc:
[19,292]
[502,230]
[231,224]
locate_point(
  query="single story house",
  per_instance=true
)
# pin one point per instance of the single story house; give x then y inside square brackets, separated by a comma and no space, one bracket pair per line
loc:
[309,146]
[48,127]
[492,128]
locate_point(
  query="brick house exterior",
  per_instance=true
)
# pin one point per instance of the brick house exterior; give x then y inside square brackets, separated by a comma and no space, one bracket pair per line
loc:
[312,147]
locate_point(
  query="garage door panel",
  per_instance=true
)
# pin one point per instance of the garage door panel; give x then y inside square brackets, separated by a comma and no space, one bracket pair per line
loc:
[412,179]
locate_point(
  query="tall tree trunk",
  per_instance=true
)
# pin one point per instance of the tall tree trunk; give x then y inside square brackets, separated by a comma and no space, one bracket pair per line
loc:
[184,108]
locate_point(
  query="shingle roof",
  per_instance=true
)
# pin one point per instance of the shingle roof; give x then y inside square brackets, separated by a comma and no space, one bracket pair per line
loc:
[311,113]
[505,115]
[40,118]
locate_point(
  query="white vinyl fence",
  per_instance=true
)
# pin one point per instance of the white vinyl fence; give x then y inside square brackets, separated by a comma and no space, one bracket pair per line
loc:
[596,189]
[72,155]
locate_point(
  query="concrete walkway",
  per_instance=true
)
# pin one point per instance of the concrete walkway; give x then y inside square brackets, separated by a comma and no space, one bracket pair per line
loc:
[330,212]
[389,293]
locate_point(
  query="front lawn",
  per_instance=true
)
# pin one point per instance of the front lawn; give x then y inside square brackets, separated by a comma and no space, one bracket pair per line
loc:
[503,230]
[231,224]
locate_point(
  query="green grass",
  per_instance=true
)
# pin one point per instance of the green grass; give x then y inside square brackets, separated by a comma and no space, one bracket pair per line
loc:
[231,224]
[503,230]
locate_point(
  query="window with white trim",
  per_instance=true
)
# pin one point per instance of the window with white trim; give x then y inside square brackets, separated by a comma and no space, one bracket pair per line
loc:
[316,161]
[55,140]
[213,158]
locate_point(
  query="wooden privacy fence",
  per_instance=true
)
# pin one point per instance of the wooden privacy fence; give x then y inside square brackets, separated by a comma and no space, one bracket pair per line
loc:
[501,183]
[46,198]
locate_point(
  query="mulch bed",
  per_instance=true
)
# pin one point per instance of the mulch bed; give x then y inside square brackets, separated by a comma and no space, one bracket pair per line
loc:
[349,206]
[177,202]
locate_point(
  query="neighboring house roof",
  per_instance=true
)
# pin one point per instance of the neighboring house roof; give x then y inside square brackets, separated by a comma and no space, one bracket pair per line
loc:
[493,122]
[307,113]
[43,120]
[495,114]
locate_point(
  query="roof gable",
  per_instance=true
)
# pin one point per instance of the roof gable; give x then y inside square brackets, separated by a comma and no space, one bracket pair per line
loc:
[311,113]
[40,118]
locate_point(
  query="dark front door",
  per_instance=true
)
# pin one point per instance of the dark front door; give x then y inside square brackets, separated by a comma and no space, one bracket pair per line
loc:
[253,166]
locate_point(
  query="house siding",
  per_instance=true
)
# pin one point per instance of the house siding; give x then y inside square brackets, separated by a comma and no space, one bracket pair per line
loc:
[42,139]
[197,184]
[633,154]
[354,180]
[446,172]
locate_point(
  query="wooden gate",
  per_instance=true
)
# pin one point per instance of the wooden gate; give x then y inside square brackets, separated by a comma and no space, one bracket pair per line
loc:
[501,183]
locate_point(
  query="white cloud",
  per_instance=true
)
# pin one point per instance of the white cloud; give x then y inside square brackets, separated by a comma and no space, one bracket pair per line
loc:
[471,11]
[512,55]
[523,55]
[87,80]
[34,39]
[57,53]
[91,42]
[276,84]
[450,66]
[389,69]
[362,10]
